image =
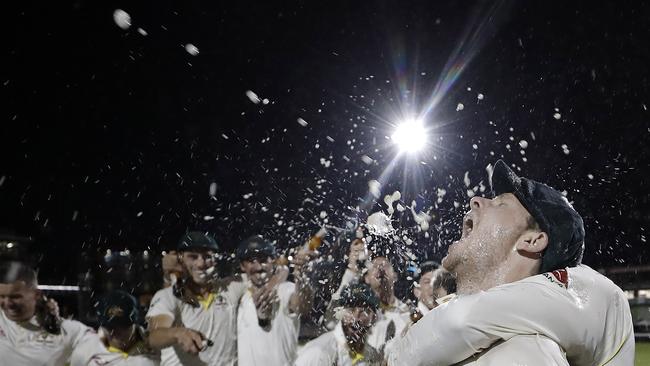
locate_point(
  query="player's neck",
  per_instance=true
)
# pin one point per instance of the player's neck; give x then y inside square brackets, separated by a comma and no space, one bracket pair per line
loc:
[355,343]
[513,269]
[471,284]
[123,345]
[202,290]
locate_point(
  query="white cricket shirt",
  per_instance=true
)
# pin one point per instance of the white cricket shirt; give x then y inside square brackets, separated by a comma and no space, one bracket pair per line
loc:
[275,346]
[398,314]
[528,350]
[331,349]
[94,352]
[581,310]
[216,319]
[423,309]
[26,343]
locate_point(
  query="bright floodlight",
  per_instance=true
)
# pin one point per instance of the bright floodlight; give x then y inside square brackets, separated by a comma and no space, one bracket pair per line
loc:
[410,136]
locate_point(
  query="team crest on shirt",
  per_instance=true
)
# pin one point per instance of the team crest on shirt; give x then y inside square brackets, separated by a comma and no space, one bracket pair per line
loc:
[559,277]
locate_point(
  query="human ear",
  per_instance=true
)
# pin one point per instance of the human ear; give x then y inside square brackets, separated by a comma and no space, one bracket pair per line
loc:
[532,243]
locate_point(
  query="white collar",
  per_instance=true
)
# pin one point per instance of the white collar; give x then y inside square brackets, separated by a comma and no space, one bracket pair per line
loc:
[423,308]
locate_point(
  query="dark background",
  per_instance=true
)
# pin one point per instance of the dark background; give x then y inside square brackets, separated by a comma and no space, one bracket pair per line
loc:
[111,139]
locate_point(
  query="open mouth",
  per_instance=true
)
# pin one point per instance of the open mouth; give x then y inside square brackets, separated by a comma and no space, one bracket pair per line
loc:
[468,225]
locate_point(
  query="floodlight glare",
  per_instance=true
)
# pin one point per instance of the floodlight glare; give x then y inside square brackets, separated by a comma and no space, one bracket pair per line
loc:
[410,136]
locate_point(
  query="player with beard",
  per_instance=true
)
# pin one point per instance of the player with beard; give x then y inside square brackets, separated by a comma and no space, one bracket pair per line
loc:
[380,275]
[347,344]
[194,321]
[523,295]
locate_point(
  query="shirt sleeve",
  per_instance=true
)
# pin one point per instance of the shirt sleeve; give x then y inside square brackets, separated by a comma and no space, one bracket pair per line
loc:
[349,277]
[78,331]
[313,356]
[85,350]
[163,303]
[285,291]
[236,289]
[470,323]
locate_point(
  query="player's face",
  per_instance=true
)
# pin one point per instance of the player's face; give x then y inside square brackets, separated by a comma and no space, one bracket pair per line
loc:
[424,291]
[123,337]
[438,293]
[199,265]
[258,269]
[490,230]
[357,322]
[381,276]
[18,300]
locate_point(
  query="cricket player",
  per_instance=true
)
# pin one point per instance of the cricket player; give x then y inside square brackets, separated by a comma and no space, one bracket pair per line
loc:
[31,332]
[518,272]
[269,336]
[121,340]
[347,344]
[380,275]
[194,322]
[433,287]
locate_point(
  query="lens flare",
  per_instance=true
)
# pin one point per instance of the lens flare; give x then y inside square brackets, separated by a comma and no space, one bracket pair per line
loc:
[410,136]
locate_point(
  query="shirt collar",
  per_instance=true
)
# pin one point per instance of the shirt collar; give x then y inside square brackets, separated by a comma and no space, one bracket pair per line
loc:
[445,299]
[423,308]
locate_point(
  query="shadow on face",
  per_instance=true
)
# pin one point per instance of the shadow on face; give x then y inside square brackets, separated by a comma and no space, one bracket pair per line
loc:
[381,276]
[357,321]
[258,269]
[122,337]
[200,265]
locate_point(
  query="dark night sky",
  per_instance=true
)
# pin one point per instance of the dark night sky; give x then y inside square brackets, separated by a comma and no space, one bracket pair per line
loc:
[111,139]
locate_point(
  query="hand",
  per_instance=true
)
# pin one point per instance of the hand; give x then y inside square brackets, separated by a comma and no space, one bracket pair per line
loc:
[52,307]
[263,298]
[171,265]
[190,340]
[357,249]
[302,257]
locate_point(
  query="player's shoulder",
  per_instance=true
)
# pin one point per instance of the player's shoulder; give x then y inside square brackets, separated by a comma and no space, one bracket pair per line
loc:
[76,328]
[324,344]
[166,293]
[164,297]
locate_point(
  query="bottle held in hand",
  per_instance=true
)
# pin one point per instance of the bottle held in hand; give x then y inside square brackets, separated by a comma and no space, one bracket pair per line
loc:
[47,317]
[317,240]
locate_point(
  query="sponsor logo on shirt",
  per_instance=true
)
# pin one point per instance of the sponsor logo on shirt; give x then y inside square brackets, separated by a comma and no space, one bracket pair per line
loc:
[559,277]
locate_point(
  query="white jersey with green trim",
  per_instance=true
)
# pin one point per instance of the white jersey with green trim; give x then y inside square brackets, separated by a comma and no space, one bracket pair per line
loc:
[276,345]
[578,308]
[216,319]
[92,351]
[26,343]
[390,323]
[331,349]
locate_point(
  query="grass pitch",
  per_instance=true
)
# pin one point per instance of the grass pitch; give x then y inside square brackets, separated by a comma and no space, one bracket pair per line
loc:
[642,354]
